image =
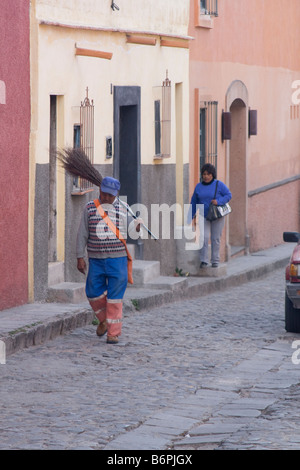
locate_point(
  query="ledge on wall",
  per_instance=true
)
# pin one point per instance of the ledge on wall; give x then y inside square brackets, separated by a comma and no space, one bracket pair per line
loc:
[82,192]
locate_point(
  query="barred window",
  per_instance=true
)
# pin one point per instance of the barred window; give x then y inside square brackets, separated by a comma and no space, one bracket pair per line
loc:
[162,120]
[209,7]
[157,127]
[208,133]
[83,137]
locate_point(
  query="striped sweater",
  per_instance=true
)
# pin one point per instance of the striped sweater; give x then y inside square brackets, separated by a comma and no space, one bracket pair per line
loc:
[95,236]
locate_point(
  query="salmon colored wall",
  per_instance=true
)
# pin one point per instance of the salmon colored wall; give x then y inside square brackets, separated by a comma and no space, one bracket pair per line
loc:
[256,32]
[266,224]
[275,151]
[257,43]
[14,152]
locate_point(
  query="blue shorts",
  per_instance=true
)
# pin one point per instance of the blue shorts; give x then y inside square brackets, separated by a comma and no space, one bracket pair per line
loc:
[109,274]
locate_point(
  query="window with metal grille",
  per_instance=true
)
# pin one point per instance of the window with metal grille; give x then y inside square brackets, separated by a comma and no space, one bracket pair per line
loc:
[209,7]
[76,144]
[83,137]
[157,127]
[162,121]
[208,133]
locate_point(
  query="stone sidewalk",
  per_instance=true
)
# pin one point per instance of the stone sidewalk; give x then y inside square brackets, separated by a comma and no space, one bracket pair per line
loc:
[218,414]
[33,324]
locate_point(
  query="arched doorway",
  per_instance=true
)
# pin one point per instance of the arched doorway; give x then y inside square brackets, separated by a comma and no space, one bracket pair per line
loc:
[237,105]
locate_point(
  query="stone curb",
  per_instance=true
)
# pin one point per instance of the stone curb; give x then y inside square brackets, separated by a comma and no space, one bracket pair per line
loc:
[198,289]
[42,332]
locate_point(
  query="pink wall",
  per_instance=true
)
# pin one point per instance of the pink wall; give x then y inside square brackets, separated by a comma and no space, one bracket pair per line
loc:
[264,224]
[14,151]
[256,32]
[256,43]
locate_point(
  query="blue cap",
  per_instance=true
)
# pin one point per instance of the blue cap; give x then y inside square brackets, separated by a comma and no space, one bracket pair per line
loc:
[110,185]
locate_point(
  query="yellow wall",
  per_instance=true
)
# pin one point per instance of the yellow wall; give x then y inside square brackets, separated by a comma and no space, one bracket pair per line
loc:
[57,29]
[169,17]
[63,73]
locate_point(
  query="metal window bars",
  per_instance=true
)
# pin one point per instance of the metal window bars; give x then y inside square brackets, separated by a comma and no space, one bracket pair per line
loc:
[166,118]
[209,7]
[86,135]
[208,133]
[162,120]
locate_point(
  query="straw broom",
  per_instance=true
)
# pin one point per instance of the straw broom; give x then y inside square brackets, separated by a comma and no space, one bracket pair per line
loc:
[76,163]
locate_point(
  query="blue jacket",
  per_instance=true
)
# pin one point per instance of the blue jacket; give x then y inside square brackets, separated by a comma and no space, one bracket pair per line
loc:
[204,193]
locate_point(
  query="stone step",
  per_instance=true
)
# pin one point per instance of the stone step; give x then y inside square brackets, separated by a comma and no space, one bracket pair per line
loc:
[74,292]
[167,283]
[237,251]
[145,271]
[67,292]
[56,272]
[146,274]
[209,271]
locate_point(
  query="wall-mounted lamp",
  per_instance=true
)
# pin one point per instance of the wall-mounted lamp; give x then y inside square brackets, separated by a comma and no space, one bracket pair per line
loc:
[113,6]
[252,122]
[226,126]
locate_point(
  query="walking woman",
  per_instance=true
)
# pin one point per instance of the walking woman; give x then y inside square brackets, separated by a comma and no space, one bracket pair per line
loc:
[204,194]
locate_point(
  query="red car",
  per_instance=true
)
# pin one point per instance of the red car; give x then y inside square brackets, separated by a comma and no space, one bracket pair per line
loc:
[292,290]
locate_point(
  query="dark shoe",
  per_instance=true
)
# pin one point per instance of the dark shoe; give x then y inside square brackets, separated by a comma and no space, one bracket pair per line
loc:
[102,328]
[112,340]
[215,265]
[203,265]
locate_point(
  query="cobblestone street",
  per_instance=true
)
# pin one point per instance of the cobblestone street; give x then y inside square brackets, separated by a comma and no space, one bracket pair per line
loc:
[208,373]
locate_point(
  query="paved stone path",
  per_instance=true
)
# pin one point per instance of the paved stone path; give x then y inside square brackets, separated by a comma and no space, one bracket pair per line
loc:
[214,372]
